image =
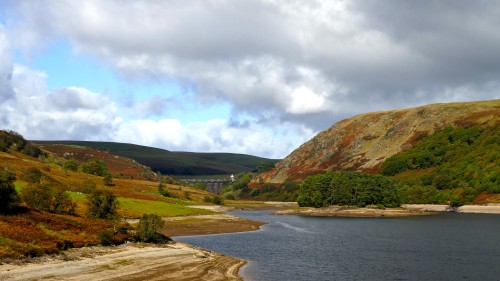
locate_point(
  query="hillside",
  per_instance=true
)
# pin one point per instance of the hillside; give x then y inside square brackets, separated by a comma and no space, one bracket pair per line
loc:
[173,163]
[364,142]
[27,229]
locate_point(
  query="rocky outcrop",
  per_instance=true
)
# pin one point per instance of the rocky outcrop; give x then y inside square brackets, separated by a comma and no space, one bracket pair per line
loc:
[364,141]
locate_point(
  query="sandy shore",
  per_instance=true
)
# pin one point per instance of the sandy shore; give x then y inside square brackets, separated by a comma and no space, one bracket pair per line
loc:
[338,211]
[176,261]
[405,210]
[471,209]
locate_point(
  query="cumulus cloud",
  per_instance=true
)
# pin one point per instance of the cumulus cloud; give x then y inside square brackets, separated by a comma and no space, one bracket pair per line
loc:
[286,64]
[215,135]
[70,113]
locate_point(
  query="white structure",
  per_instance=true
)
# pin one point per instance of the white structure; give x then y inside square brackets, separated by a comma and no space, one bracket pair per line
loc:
[232,178]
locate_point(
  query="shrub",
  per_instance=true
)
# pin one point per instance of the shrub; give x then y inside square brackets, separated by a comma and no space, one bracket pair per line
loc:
[8,194]
[102,204]
[88,187]
[47,198]
[95,167]
[71,165]
[108,179]
[163,191]
[218,200]
[32,175]
[148,227]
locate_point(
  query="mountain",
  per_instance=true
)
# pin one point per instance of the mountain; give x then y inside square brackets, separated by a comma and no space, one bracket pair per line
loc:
[364,142]
[173,163]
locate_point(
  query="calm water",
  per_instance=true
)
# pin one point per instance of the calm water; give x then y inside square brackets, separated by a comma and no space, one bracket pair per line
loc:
[448,246]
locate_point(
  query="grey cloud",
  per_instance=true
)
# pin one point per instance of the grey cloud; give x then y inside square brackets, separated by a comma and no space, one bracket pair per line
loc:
[73,98]
[71,113]
[362,55]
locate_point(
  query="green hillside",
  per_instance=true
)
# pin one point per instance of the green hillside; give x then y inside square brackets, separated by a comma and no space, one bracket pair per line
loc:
[176,163]
[456,165]
[464,162]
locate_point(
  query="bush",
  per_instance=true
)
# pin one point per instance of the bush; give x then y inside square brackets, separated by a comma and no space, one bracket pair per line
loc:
[71,165]
[88,187]
[148,227]
[32,175]
[163,192]
[218,200]
[108,179]
[102,204]
[95,167]
[8,194]
[47,198]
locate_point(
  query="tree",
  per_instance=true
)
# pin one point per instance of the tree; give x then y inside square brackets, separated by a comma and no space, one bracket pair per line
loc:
[265,166]
[163,191]
[8,194]
[148,227]
[102,204]
[47,198]
[108,179]
[71,165]
[95,167]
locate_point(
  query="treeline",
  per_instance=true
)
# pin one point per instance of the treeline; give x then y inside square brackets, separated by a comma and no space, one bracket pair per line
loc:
[348,188]
[452,166]
[15,141]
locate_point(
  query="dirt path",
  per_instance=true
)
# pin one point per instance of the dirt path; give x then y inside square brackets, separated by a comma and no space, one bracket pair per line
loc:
[177,261]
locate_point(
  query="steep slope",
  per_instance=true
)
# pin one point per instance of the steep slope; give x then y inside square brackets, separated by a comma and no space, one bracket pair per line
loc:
[363,142]
[175,163]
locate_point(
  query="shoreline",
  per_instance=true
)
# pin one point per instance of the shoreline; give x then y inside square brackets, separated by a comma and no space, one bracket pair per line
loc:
[140,261]
[131,261]
[403,211]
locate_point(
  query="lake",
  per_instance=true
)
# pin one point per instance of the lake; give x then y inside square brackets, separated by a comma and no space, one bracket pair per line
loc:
[448,246]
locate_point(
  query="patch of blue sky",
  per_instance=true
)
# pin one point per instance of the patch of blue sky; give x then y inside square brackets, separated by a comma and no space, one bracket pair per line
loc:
[65,68]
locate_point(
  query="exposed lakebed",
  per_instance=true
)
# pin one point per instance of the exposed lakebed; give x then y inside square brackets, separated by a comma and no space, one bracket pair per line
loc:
[448,246]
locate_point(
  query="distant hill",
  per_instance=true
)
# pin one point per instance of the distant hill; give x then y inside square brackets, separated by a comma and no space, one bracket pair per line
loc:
[175,163]
[363,142]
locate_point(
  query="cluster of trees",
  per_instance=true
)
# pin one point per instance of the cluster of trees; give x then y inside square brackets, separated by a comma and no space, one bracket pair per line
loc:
[13,140]
[452,164]
[348,188]
[93,166]
[265,166]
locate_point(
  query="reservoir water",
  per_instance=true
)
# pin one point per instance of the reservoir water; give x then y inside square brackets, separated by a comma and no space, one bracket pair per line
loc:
[448,246]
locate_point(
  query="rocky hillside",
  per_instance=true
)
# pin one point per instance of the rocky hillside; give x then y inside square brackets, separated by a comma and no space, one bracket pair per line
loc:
[363,142]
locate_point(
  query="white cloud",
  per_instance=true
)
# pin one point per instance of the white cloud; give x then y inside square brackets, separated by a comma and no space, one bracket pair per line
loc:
[214,135]
[69,113]
[293,67]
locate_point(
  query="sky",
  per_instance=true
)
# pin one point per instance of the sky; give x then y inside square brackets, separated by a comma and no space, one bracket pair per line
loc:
[257,77]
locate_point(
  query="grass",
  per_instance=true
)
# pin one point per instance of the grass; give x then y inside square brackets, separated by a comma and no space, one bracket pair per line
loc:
[19,185]
[135,208]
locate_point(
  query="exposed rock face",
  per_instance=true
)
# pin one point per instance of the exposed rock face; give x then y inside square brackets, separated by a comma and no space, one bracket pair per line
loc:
[364,141]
